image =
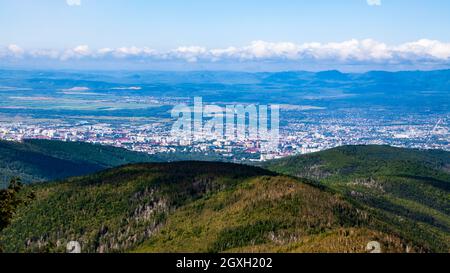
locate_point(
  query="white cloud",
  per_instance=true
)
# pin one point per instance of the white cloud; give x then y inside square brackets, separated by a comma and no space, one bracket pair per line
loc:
[11,51]
[346,52]
[73,2]
[188,53]
[364,50]
[367,50]
[425,48]
[77,88]
[15,50]
[124,52]
[81,50]
[374,2]
[127,88]
[261,49]
[76,52]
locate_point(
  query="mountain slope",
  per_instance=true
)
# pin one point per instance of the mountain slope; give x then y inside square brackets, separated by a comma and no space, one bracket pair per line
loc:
[408,188]
[44,160]
[193,207]
[269,214]
[27,161]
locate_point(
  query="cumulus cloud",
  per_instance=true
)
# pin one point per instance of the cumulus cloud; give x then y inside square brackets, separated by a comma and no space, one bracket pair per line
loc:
[15,50]
[347,52]
[364,50]
[73,2]
[126,52]
[374,2]
[76,52]
[11,51]
[188,53]
[425,48]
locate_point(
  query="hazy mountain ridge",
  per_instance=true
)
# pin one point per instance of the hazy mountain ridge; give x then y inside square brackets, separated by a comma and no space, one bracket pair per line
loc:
[271,87]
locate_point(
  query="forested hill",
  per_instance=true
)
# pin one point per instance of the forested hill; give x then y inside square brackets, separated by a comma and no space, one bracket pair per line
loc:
[46,160]
[42,160]
[332,201]
[195,207]
[406,187]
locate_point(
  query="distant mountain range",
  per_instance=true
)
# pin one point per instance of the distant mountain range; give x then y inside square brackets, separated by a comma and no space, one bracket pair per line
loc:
[293,87]
[332,201]
[108,79]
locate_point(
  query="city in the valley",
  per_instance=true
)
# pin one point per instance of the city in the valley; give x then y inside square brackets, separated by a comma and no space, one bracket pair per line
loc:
[317,111]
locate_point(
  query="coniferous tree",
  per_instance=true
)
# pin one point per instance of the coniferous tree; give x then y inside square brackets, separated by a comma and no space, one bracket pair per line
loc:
[10,200]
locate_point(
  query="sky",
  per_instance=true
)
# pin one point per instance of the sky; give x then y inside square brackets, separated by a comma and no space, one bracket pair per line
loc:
[226,34]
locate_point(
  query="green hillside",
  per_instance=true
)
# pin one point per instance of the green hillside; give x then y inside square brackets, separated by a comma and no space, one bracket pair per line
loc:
[195,207]
[347,197]
[410,189]
[43,160]
[270,214]
[31,163]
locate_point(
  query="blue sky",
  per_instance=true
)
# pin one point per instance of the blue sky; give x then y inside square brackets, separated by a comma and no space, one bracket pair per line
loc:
[199,26]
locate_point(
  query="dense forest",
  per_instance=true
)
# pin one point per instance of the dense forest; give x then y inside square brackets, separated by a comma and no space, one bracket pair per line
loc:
[10,200]
[44,160]
[332,201]
[408,188]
